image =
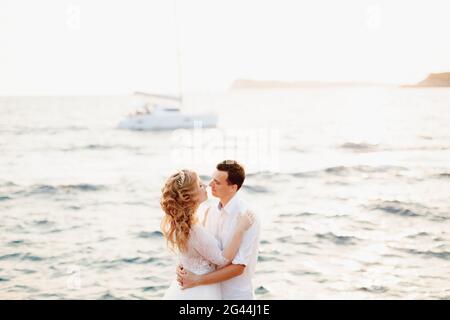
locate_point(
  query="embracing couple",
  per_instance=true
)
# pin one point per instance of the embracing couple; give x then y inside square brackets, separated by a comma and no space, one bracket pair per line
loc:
[218,250]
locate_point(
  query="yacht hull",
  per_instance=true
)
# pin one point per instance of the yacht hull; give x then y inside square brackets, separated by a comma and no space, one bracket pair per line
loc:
[168,121]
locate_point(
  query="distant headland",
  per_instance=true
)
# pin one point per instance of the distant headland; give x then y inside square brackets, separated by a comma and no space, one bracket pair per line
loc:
[433,80]
[271,84]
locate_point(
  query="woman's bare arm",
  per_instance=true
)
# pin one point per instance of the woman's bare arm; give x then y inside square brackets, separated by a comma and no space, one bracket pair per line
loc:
[244,222]
[187,279]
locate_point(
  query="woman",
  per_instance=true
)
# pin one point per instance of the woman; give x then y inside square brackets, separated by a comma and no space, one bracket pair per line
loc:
[199,251]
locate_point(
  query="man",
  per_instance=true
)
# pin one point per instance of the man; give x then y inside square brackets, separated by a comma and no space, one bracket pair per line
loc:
[236,278]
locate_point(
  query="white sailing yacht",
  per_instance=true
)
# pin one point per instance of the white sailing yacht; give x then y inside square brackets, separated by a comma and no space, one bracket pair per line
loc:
[162,112]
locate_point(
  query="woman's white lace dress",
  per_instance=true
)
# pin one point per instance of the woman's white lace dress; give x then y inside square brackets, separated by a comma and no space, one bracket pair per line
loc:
[202,255]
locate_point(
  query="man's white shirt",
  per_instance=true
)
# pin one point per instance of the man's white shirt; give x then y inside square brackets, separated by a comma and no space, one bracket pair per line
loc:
[221,222]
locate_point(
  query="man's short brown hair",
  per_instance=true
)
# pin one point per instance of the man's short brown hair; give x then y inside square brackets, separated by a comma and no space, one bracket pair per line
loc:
[236,173]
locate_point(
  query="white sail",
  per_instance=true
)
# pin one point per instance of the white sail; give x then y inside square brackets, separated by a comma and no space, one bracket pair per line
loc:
[162,112]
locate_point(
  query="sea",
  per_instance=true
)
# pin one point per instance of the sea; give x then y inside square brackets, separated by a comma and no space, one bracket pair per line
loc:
[352,185]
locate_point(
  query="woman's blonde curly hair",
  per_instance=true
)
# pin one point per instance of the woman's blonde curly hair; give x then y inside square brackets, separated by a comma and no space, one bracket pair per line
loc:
[179,201]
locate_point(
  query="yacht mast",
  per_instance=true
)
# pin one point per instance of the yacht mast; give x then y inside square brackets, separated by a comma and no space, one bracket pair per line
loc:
[178,52]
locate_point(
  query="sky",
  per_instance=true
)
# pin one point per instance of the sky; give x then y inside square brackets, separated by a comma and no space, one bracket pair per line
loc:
[117,47]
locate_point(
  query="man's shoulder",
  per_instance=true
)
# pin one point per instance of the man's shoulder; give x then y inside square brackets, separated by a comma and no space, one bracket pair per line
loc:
[243,204]
[213,205]
[246,206]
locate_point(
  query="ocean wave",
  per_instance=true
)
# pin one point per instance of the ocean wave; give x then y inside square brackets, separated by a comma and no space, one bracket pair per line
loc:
[374,289]
[154,288]
[359,147]
[10,256]
[301,214]
[304,273]
[348,171]
[108,296]
[297,149]
[390,255]
[374,147]
[105,239]
[255,188]
[339,240]
[261,290]
[286,239]
[261,174]
[26,271]
[43,222]
[130,260]
[22,130]
[23,288]
[17,255]
[108,264]
[15,242]
[397,210]
[50,296]
[344,170]
[445,255]
[88,147]
[152,234]
[439,218]
[38,189]
[265,258]
[31,257]
[404,209]
[73,207]
[418,235]
[7,184]
[82,187]
[409,209]
[425,137]
[99,147]
[304,174]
